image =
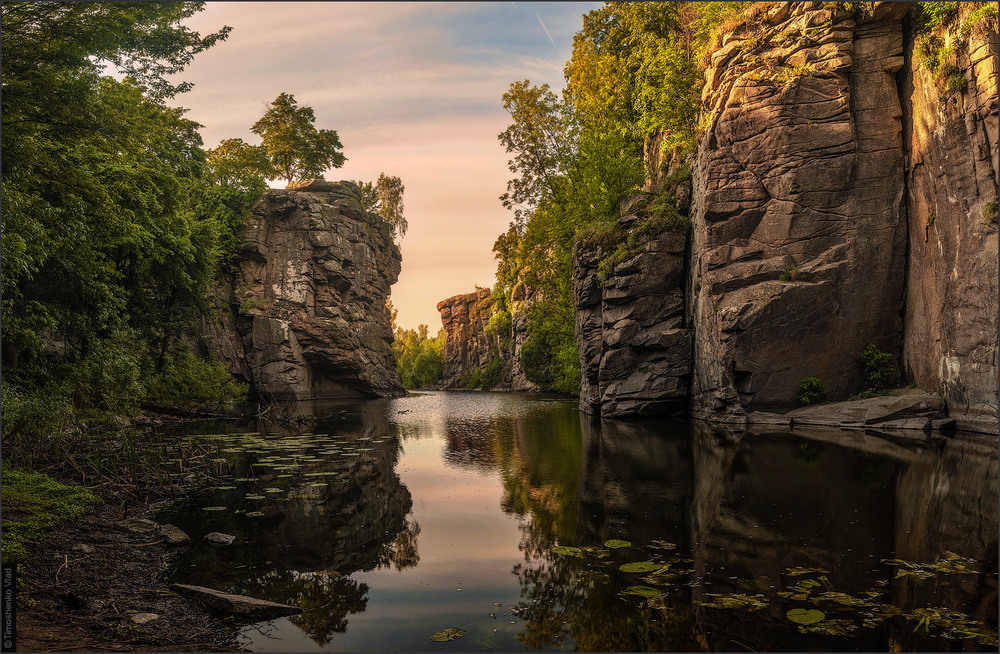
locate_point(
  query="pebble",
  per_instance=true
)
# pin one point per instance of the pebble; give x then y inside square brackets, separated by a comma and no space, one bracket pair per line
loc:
[83,549]
[219,538]
[173,535]
[143,618]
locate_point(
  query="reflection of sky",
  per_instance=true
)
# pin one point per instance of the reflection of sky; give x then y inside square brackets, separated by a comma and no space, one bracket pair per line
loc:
[414,90]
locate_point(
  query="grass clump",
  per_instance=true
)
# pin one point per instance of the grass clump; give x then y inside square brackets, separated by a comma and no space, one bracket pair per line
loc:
[990,211]
[812,390]
[33,503]
[790,274]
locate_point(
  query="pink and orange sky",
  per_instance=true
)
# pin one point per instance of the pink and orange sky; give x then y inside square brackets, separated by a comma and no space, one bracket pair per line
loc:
[414,90]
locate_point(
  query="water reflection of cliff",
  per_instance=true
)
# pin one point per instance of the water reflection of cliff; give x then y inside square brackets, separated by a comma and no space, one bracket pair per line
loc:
[842,501]
[746,506]
[311,539]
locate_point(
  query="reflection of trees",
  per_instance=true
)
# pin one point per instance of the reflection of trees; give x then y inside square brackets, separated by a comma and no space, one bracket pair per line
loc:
[616,480]
[401,552]
[569,598]
[326,598]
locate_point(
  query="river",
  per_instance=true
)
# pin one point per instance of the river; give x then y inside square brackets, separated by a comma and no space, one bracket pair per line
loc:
[511,517]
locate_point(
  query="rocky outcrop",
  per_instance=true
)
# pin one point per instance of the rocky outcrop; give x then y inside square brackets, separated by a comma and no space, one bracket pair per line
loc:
[950,136]
[843,196]
[475,356]
[635,351]
[799,224]
[306,317]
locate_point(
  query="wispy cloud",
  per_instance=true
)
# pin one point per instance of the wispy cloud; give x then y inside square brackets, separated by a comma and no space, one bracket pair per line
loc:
[542,23]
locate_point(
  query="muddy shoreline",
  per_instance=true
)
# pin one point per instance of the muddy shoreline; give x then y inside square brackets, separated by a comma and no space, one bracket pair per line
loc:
[87,585]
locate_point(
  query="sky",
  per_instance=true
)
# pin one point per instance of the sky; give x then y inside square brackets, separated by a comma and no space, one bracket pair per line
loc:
[413,90]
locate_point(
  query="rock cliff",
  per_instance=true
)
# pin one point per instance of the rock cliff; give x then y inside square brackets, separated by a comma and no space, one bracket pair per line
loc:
[950,139]
[843,195]
[799,218]
[635,350]
[305,316]
[476,355]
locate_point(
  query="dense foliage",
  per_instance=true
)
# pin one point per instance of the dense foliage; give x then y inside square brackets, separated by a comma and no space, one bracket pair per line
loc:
[419,358]
[633,73]
[113,225]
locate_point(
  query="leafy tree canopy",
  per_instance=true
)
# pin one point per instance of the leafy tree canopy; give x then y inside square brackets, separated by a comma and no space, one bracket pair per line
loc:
[295,148]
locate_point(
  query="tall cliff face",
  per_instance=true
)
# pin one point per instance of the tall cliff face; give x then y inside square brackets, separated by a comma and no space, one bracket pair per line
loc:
[306,315]
[799,220]
[477,357]
[842,196]
[950,138]
[635,349]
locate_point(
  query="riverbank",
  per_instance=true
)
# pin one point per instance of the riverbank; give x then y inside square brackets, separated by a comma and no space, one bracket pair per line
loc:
[97,584]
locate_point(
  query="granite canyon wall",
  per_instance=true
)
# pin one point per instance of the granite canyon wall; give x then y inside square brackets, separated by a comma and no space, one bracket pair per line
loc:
[843,195]
[304,316]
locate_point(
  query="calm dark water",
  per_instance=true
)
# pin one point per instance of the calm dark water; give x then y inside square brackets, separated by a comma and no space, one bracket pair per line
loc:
[389,521]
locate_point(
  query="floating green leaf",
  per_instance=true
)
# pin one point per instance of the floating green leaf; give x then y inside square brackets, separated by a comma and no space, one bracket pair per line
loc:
[443,636]
[805,616]
[795,572]
[829,628]
[735,601]
[255,514]
[253,497]
[643,591]
[641,566]
[215,508]
[566,550]
[615,543]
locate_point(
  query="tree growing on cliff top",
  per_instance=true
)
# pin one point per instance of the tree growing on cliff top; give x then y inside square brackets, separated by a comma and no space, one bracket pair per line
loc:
[295,148]
[385,198]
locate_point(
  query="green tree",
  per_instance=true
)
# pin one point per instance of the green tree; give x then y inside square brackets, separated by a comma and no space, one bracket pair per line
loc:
[390,203]
[107,257]
[238,165]
[295,148]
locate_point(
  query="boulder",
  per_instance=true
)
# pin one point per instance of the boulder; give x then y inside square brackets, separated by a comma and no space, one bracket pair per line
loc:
[241,607]
[912,409]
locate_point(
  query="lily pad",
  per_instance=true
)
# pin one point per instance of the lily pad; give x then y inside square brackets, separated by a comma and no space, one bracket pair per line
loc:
[253,497]
[641,566]
[443,636]
[255,514]
[805,616]
[215,508]
[615,543]
[643,591]
[565,550]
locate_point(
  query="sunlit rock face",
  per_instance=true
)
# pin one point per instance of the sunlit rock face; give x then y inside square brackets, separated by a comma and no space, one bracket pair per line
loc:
[470,346]
[307,317]
[843,196]
[950,342]
[799,218]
